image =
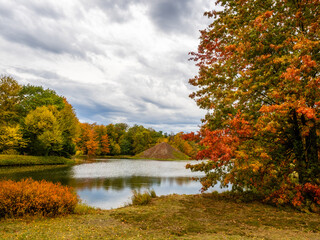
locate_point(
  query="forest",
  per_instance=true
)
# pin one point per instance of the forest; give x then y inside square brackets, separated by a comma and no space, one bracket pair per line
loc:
[37,121]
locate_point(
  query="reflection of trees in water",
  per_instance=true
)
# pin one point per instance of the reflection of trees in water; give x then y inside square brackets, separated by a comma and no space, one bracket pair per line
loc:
[64,175]
[134,182]
[54,174]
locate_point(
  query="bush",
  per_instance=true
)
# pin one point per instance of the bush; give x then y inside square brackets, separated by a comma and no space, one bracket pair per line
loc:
[303,197]
[142,198]
[29,197]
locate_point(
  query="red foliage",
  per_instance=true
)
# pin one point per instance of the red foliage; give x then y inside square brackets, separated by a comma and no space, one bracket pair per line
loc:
[221,144]
[297,195]
[313,191]
[92,143]
[191,137]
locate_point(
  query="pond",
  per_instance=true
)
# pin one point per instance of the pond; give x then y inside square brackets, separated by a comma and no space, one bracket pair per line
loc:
[109,184]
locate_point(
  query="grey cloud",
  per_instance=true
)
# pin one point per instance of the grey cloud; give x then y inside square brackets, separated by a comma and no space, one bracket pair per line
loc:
[116,11]
[44,26]
[172,16]
[134,109]
[46,10]
[160,105]
[95,111]
[34,32]
[168,15]
[40,73]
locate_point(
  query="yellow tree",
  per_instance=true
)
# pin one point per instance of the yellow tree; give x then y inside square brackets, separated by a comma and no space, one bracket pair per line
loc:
[11,139]
[41,128]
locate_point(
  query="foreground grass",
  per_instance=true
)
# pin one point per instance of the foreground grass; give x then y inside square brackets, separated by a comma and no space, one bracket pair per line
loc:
[21,160]
[171,217]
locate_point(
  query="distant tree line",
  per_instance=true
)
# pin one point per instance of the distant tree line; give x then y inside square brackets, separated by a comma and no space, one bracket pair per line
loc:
[37,121]
[120,139]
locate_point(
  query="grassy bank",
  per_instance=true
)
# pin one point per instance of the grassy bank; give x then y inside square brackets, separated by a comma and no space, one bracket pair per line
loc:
[21,160]
[171,217]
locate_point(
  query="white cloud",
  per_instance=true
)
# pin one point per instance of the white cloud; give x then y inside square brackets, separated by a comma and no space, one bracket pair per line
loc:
[115,61]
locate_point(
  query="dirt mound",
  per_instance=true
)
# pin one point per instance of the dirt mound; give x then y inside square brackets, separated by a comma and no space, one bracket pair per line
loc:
[163,151]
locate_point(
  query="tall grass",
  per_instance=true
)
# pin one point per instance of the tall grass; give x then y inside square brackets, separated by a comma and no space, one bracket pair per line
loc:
[144,198]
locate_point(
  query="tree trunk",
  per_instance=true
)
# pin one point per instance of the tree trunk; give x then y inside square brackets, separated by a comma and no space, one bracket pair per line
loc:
[312,154]
[299,149]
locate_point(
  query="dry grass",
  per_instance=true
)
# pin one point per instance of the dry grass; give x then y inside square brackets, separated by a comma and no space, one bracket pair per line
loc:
[172,217]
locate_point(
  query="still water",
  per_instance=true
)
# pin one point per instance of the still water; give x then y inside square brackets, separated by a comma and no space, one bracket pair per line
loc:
[109,183]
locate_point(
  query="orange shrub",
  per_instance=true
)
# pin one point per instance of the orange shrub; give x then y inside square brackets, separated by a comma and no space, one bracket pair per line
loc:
[29,197]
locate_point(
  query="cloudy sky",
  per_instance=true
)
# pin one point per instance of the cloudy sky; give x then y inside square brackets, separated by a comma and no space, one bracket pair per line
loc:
[114,60]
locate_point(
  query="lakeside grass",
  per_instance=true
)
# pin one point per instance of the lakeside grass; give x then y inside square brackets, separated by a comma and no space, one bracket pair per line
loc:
[204,216]
[22,160]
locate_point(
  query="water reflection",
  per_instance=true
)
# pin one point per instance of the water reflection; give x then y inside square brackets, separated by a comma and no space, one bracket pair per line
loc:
[62,174]
[109,184]
[135,182]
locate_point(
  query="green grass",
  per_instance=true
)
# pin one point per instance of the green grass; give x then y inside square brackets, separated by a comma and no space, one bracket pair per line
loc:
[144,198]
[21,160]
[172,217]
[180,155]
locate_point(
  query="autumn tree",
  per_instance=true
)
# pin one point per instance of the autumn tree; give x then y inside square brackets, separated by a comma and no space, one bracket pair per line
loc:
[105,145]
[87,140]
[91,145]
[183,144]
[11,139]
[9,98]
[42,131]
[259,80]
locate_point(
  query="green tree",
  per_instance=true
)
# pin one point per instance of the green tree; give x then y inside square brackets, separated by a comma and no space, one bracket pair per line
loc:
[9,98]
[70,127]
[259,80]
[35,96]
[125,145]
[116,150]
